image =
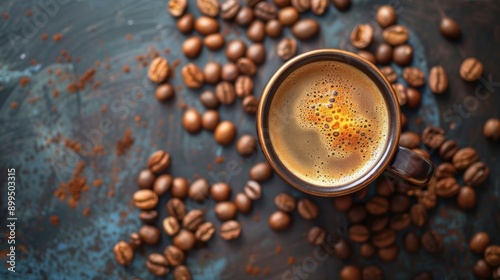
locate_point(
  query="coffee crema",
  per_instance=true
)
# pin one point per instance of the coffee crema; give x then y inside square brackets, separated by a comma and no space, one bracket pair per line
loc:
[328,123]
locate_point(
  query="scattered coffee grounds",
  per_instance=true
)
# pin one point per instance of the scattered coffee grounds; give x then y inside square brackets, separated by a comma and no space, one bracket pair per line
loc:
[14,105]
[55,220]
[57,37]
[72,189]
[123,145]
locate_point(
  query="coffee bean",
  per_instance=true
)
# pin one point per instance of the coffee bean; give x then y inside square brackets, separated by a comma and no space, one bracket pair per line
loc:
[205,232]
[273,28]
[288,16]
[427,199]
[180,187]
[492,255]
[230,72]
[411,242]
[401,93]
[367,250]
[377,224]
[482,270]
[476,174]
[257,53]
[384,187]
[404,120]
[198,190]
[361,194]
[280,221]
[230,230]
[399,222]
[301,5]
[399,203]
[192,76]
[367,55]
[174,255]
[341,4]
[384,238]
[281,3]
[449,28]
[448,149]
[182,273]
[350,272]
[356,214]
[372,272]
[418,214]
[318,7]
[265,11]
[209,99]
[305,29]
[229,9]
[491,129]
[146,179]
[362,35]
[438,80]
[432,241]
[342,203]
[386,15]
[176,208]
[170,226]
[396,35]
[414,76]
[163,184]
[220,191]
[206,25]
[148,217]
[466,198]
[471,69]
[193,220]
[316,236]
[425,275]
[413,98]
[342,249]
[409,139]
[145,199]
[253,190]
[158,70]
[191,47]
[184,240]
[250,104]
[159,161]
[422,153]
[214,42]
[307,209]
[261,172]
[243,203]
[383,55]
[464,158]
[256,31]
[286,48]
[164,92]
[124,254]
[149,234]
[389,74]
[157,264]
[225,210]
[479,242]
[377,205]
[135,240]
[285,202]
[177,7]
[403,55]
[210,120]
[246,145]
[433,137]
[225,132]
[388,254]
[245,16]
[185,24]
[359,233]
[225,93]
[208,7]
[246,66]
[447,187]
[191,120]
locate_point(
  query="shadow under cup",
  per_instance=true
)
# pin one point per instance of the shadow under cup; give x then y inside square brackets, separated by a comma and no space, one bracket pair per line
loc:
[391,141]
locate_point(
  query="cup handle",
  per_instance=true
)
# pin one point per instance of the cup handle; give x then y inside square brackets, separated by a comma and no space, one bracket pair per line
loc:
[411,166]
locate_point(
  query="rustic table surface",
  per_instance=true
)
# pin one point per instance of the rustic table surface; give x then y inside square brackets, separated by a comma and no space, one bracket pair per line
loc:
[80,247]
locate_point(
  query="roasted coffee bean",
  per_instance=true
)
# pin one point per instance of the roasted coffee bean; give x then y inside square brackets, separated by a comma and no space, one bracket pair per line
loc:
[164,92]
[471,69]
[246,145]
[261,172]
[350,272]
[466,198]
[307,209]
[148,217]
[492,255]
[384,187]
[386,15]
[401,93]
[425,275]
[427,199]
[230,72]
[146,179]
[403,55]
[448,149]
[342,249]
[206,25]
[184,240]
[145,199]
[449,28]
[356,214]
[257,53]
[301,5]
[180,187]
[246,66]
[432,241]
[192,76]
[288,16]
[438,80]
[177,7]
[414,76]
[491,129]
[205,232]
[256,31]
[447,187]
[208,7]
[185,24]
[230,230]
[191,120]
[191,47]
[396,35]
[170,226]
[479,242]
[464,158]
[399,203]
[433,137]
[305,29]
[159,161]
[220,191]
[423,153]
[418,214]
[135,240]
[157,264]
[359,233]
[367,55]
[285,202]
[182,273]
[279,221]
[384,238]
[389,74]
[316,236]
[265,11]
[413,98]
[176,208]
[403,187]
[367,250]
[377,224]
[158,70]
[198,190]
[229,9]
[225,93]
[162,184]
[149,234]
[250,104]
[383,55]
[372,272]
[286,48]
[282,3]
[124,254]
[318,7]
[361,194]
[482,270]
[476,174]
[174,255]
[253,190]
[243,203]
[225,132]
[388,254]
[209,99]
[399,222]
[362,35]
[225,210]
[404,120]
[411,242]
[245,16]
[342,203]
[210,120]
[193,219]
[273,28]
[377,205]
[214,42]
[342,4]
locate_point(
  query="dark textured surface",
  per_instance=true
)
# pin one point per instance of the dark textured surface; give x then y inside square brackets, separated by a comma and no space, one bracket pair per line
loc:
[81,247]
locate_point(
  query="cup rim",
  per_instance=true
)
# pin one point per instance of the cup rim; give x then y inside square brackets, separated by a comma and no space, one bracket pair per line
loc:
[390,99]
